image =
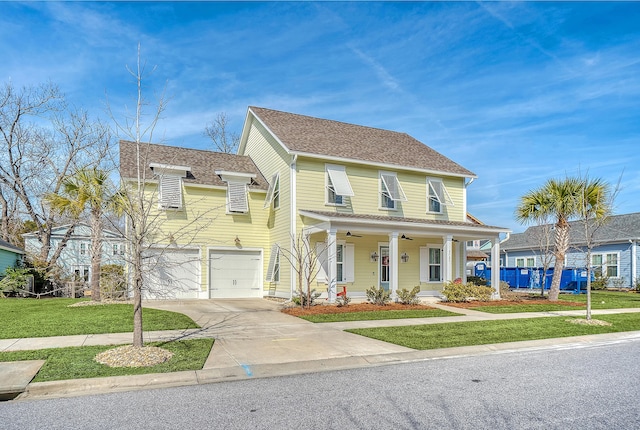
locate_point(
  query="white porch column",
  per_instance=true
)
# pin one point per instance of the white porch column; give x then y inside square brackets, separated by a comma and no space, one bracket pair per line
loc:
[634,256]
[458,248]
[393,264]
[495,267]
[463,257]
[332,263]
[447,258]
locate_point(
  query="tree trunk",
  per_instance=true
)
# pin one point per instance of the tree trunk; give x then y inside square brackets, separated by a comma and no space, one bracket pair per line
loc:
[96,254]
[562,243]
[138,340]
[4,219]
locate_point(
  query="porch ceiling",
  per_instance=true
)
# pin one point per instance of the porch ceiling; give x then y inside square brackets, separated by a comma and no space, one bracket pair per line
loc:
[409,226]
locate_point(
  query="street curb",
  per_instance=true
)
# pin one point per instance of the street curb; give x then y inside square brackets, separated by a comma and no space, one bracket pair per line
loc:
[113,384]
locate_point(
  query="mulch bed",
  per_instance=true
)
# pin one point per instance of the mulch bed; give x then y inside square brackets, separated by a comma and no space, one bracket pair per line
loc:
[476,304]
[369,307]
[356,307]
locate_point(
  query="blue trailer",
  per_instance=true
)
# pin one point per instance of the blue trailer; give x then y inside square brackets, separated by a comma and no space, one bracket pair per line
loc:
[573,279]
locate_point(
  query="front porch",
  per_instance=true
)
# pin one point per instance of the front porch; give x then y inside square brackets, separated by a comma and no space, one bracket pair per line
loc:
[360,251]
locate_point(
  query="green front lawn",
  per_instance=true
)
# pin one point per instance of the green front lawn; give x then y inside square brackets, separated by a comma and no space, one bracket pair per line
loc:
[448,335]
[599,300]
[377,315]
[53,317]
[78,362]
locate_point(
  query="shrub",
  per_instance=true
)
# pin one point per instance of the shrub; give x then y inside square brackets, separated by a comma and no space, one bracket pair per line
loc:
[600,281]
[15,281]
[113,284]
[343,300]
[378,296]
[465,292]
[506,293]
[477,280]
[407,297]
[304,299]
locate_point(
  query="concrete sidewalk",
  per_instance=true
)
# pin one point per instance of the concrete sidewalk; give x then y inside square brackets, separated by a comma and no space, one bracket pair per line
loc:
[254,339]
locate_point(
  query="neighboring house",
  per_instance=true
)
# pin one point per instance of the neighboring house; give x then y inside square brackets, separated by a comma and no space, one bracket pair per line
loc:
[615,253]
[377,207]
[10,256]
[75,258]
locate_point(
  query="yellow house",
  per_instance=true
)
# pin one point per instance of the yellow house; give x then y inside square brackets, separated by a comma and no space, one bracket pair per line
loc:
[372,207]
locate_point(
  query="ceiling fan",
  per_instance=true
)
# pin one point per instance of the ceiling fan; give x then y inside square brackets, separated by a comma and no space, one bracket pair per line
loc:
[406,237]
[349,234]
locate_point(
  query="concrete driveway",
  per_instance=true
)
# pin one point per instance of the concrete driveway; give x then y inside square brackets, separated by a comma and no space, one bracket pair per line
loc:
[253,332]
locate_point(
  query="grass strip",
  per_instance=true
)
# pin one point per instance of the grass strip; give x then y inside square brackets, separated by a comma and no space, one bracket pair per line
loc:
[78,362]
[447,335]
[377,315]
[53,317]
[599,300]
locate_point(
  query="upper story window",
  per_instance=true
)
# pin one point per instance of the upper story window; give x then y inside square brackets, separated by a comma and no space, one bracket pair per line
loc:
[83,248]
[170,184]
[390,191]
[437,196]
[337,185]
[237,198]
[273,193]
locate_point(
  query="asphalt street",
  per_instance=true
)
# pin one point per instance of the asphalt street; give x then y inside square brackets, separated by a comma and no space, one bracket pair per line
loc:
[594,387]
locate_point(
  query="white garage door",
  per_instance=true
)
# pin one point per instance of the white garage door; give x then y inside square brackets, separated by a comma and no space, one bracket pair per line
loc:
[235,274]
[173,274]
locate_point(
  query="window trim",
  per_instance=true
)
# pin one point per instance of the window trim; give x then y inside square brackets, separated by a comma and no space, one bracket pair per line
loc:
[604,266]
[525,261]
[425,264]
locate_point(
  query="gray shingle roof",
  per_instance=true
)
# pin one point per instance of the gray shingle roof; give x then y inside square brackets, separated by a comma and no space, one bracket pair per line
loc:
[619,228]
[300,133]
[8,246]
[203,163]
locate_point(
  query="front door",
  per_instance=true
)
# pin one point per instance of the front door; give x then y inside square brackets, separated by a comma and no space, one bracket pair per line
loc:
[384,267]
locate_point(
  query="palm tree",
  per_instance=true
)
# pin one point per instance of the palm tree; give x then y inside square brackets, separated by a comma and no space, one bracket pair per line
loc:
[87,188]
[559,199]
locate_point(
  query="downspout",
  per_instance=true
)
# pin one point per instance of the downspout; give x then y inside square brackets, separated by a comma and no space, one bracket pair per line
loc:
[293,224]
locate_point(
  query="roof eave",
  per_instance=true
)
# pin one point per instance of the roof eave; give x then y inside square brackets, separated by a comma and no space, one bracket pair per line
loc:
[492,231]
[385,166]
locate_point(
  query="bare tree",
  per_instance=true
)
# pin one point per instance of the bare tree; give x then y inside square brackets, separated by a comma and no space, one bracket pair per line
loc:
[223,140]
[137,201]
[594,209]
[304,260]
[42,141]
[543,236]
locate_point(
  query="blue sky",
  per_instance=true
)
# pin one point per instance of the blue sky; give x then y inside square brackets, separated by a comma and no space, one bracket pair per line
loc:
[515,92]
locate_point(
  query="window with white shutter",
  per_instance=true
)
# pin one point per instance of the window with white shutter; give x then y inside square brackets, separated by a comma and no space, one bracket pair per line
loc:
[337,184]
[390,191]
[273,193]
[170,193]
[273,270]
[437,196]
[237,197]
